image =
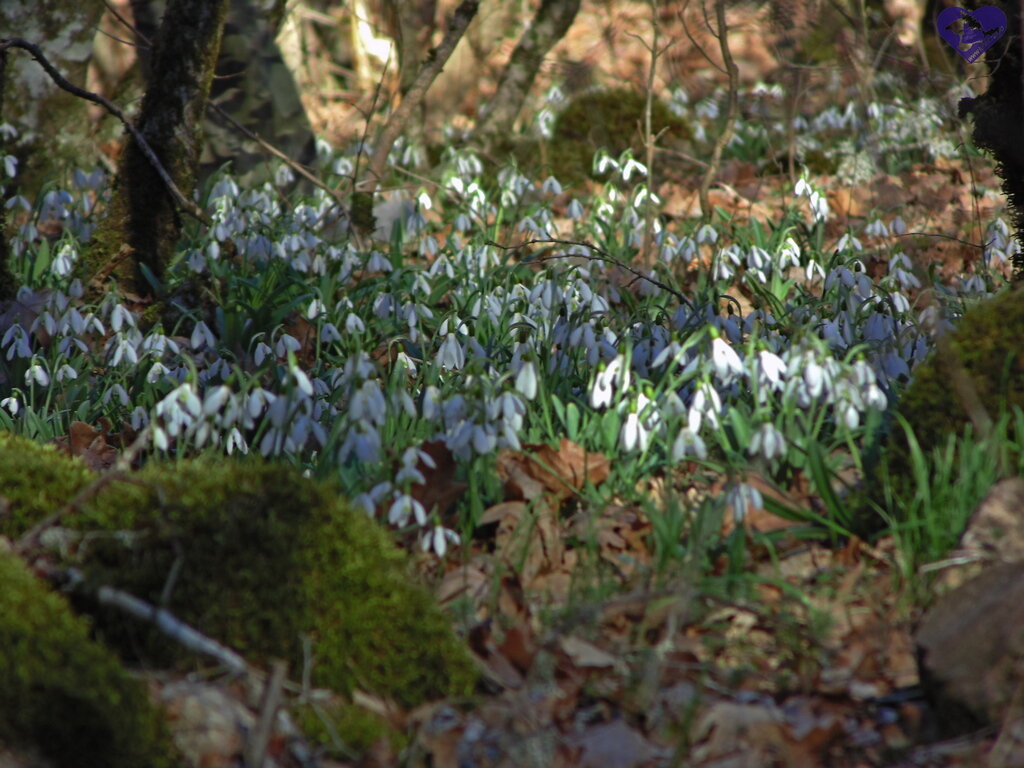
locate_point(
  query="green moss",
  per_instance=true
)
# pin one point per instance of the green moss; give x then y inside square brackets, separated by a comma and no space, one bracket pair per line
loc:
[35,480]
[265,558]
[62,693]
[987,344]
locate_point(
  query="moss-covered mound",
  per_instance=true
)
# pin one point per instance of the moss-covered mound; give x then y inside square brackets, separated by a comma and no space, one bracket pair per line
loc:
[263,560]
[611,120]
[607,119]
[987,343]
[64,695]
[266,557]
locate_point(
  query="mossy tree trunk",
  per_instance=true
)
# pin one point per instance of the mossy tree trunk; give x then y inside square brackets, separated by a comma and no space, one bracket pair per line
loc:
[999,117]
[143,225]
[54,129]
[549,25]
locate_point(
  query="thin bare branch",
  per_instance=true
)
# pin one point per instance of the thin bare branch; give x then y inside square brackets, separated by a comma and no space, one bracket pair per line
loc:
[603,255]
[186,205]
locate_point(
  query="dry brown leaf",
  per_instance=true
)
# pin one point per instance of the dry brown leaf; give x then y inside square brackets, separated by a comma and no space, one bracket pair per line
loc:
[89,444]
[559,472]
[440,489]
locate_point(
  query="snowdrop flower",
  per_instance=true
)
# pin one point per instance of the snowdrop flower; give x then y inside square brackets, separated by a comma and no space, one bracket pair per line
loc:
[403,507]
[706,402]
[235,440]
[615,374]
[707,235]
[37,374]
[819,207]
[802,188]
[630,167]
[688,443]
[451,355]
[438,539]
[768,442]
[364,441]
[743,498]
[66,372]
[202,336]
[726,362]
[526,380]
[634,434]
[11,404]
[328,334]
[771,368]
[575,210]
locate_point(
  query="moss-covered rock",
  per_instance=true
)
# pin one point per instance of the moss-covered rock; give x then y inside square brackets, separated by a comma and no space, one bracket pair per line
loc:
[264,558]
[987,345]
[64,695]
[603,119]
[35,480]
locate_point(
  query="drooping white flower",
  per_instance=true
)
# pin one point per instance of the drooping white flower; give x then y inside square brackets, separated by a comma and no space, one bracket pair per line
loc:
[726,362]
[688,443]
[768,442]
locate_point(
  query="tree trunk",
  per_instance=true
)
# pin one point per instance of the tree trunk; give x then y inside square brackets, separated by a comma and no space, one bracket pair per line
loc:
[142,226]
[553,19]
[999,117]
[54,129]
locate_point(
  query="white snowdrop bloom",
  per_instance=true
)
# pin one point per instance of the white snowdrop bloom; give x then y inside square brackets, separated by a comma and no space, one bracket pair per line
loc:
[526,380]
[403,507]
[789,254]
[900,302]
[574,210]
[261,353]
[849,242]
[814,271]
[329,333]
[707,235]
[630,167]
[37,374]
[615,373]
[771,368]
[743,498]
[368,404]
[849,414]
[64,260]
[378,263]
[287,343]
[257,400]
[727,364]
[758,259]
[364,441]
[706,403]
[160,439]
[802,188]
[354,324]
[484,439]
[236,441]
[876,228]
[301,380]
[875,398]
[819,207]
[202,336]
[634,433]
[315,309]
[431,403]
[66,372]
[156,372]
[215,400]
[898,226]
[688,443]
[438,539]
[767,442]
[11,404]
[196,262]
[451,355]
[123,350]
